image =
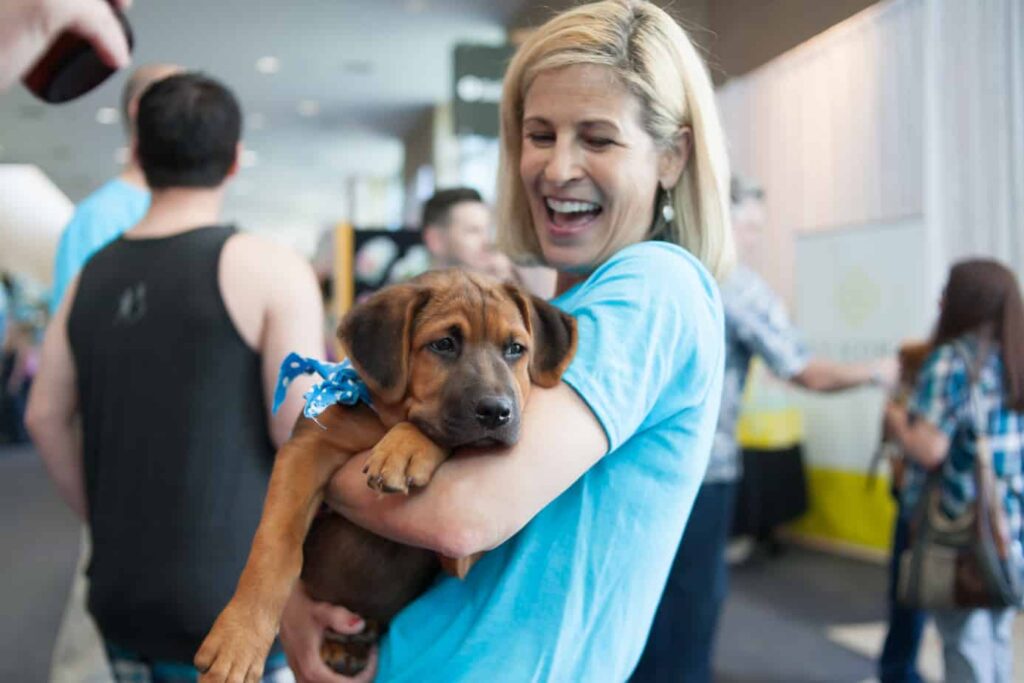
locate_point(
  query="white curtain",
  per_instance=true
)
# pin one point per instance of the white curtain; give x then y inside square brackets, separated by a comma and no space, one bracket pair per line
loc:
[832,130]
[974,147]
[911,108]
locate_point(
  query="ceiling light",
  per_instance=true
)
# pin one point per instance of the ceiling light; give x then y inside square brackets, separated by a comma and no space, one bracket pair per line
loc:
[268,65]
[107,116]
[248,159]
[309,108]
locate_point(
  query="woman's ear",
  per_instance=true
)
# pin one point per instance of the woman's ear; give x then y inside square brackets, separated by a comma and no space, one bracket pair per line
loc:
[673,160]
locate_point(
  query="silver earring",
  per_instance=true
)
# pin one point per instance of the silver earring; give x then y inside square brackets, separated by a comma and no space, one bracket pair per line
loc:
[668,212]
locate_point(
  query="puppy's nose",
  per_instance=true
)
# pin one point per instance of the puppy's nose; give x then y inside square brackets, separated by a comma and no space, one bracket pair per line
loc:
[493,411]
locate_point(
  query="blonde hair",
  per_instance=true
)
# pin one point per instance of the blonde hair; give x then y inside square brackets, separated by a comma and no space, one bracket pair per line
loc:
[655,59]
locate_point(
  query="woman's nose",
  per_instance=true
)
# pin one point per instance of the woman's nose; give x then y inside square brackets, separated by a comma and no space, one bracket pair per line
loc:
[563,164]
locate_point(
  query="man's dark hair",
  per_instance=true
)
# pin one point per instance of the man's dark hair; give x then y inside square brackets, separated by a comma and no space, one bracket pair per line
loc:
[437,210]
[188,126]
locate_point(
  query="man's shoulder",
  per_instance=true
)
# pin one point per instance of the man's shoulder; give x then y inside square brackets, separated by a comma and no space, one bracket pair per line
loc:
[257,262]
[263,254]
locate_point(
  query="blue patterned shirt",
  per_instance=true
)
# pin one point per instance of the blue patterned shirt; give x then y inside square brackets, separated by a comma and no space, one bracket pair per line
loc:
[942,397]
[756,324]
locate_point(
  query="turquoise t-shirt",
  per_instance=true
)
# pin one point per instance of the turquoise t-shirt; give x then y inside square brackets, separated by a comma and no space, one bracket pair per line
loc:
[571,597]
[98,219]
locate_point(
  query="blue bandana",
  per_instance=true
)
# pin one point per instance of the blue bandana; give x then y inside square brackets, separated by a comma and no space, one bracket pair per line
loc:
[341,384]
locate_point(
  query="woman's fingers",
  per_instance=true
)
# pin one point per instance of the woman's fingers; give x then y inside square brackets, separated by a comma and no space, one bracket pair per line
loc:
[95,21]
[337,618]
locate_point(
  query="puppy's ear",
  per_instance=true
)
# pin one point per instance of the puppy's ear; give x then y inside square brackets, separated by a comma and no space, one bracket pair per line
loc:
[553,332]
[376,335]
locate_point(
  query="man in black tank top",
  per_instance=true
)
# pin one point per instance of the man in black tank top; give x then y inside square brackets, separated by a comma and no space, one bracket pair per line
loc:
[151,405]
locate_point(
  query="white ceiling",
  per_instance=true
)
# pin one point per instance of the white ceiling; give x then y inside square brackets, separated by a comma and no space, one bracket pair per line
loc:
[371,65]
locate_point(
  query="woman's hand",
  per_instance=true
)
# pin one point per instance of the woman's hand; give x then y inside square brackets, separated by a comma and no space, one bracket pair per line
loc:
[29,27]
[922,441]
[302,632]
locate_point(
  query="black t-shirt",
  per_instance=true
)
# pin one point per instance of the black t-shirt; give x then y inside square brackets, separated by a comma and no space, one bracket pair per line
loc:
[177,453]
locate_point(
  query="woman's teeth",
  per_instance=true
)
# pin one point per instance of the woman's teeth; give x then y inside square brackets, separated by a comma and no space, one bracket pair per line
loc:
[561,206]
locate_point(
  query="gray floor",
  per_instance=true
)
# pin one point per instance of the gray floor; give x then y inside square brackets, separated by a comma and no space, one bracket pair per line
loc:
[801,616]
[38,548]
[777,619]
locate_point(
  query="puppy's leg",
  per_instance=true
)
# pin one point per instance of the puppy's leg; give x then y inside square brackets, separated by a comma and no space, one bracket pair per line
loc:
[236,647]
[404,457]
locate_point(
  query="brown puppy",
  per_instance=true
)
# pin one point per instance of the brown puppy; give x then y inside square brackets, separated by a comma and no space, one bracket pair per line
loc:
[448,358]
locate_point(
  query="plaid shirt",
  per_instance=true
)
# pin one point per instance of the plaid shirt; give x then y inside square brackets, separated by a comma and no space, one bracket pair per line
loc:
[755,324]
[942,398]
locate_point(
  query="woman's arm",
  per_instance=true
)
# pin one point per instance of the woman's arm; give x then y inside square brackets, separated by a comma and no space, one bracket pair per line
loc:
[923,442]
[476,501]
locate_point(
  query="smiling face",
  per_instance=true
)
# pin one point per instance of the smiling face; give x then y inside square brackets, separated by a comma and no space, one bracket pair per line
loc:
[589,168]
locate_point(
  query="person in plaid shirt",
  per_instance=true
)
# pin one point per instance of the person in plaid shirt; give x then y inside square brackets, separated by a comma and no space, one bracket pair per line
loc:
[980,330]
[681,642]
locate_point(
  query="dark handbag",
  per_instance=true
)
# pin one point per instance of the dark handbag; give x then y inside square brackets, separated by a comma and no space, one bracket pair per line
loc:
[967,561]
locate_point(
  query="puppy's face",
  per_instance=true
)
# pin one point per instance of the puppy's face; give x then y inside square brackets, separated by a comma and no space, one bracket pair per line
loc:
[457,353]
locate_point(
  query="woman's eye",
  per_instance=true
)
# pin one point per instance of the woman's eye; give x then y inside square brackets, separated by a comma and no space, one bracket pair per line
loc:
[515,350]
[444,346]
[540,139]
[600,143]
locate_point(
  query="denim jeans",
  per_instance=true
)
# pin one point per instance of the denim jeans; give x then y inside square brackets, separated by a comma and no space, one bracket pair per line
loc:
[681,643]
[898,663]
[977,644]
[130,668]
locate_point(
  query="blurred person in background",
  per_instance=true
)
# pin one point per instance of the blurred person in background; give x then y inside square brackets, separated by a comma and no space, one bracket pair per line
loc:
[98,219]
[19,353]
[29,27]
[980,317]
[117,205]
[897,662]
[614,172]
[151,409]
[6,402]
[3,309]
[680,646]
[458,231]
[20,369]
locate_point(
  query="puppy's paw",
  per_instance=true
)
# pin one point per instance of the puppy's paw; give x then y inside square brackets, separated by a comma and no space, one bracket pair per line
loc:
[402,459]
[234,650]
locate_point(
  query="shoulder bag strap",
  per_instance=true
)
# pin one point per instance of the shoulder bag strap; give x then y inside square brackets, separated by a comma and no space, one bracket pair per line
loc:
[984,472]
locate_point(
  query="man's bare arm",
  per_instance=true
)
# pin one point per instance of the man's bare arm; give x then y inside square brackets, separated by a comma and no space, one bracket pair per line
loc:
[274,301]
[53,417]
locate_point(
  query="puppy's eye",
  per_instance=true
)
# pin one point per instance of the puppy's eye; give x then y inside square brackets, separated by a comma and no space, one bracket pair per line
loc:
[514,350]
[444,346]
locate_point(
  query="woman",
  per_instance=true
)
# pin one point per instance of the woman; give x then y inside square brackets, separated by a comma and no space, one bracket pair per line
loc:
[980,328]
[613,171]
